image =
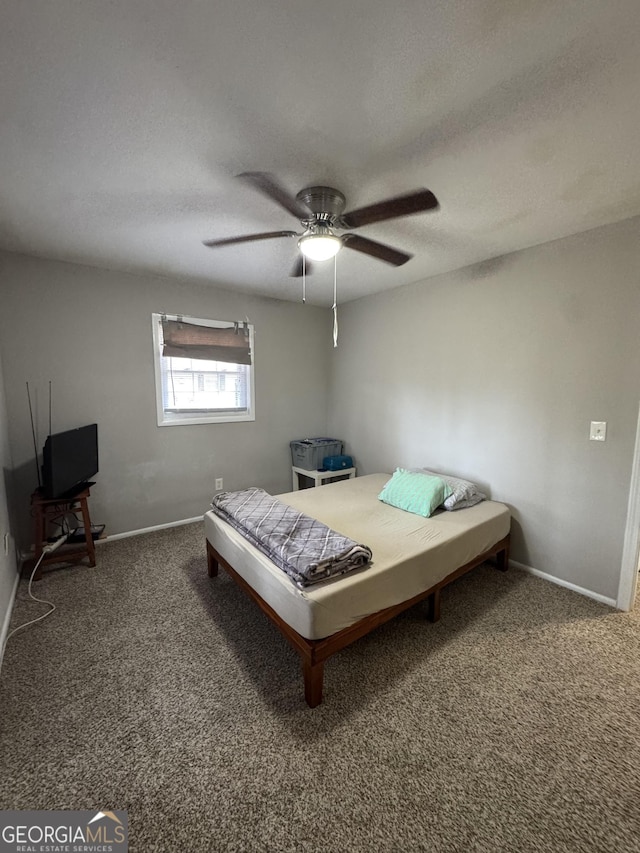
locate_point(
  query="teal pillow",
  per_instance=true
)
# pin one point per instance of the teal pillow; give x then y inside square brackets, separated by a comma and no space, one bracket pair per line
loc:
[421,494]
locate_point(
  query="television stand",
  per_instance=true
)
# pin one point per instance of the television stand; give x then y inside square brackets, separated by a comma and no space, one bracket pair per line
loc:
[45,511]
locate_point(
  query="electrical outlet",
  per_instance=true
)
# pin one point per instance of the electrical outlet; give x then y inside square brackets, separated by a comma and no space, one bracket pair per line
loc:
[598,431]
[219,483]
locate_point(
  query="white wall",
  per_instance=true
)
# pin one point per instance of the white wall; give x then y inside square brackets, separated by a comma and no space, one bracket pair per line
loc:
[89,331]
[8,562]
[494,373]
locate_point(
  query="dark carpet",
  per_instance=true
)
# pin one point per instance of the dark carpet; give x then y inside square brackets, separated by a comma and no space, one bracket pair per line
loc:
[513,724]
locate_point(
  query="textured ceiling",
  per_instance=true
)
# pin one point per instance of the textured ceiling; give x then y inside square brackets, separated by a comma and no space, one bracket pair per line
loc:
[123,123]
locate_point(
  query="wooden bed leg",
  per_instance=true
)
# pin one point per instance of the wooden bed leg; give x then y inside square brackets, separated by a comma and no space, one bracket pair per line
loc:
[502,559]
[433,606]
[313,673]
[212,563]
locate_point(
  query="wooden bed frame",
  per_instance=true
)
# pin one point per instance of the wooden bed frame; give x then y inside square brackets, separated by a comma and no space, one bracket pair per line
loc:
[315,652]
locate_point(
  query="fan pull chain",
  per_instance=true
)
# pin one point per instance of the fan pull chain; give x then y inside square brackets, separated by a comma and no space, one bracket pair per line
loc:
[304,278]
[335,301]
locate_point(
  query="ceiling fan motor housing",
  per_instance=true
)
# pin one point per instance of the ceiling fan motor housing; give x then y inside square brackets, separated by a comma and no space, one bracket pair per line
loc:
[325,203]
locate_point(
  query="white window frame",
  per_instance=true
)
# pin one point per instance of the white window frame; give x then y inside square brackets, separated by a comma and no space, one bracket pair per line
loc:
[213,417]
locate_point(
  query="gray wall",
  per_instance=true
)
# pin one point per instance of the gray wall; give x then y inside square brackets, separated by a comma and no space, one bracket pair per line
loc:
[89,331]
[494,373]
[8,562]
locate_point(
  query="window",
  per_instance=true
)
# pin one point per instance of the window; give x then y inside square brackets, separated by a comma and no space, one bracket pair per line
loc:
[203,370]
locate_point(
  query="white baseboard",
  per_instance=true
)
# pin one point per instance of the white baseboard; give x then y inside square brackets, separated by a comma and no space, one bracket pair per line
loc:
[142,530]
[26,555]
[559,582]
[7,617]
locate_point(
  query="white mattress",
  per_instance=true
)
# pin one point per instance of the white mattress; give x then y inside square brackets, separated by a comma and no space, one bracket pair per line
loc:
[410,553]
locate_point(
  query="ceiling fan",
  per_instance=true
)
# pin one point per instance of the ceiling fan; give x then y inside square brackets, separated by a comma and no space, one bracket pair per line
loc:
[319,210]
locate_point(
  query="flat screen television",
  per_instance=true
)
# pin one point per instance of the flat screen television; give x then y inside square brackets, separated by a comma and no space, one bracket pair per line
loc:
[69,460]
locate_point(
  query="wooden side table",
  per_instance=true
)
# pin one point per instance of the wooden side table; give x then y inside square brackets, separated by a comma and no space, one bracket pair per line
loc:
[45,512]
[318,477]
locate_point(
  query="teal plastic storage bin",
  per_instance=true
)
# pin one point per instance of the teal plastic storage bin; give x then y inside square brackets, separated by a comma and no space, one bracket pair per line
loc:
[337,463]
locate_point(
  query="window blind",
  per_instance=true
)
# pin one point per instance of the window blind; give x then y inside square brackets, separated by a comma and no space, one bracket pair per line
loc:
[187,340]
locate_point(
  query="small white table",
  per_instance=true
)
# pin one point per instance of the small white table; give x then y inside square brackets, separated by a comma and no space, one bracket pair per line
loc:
[319,476]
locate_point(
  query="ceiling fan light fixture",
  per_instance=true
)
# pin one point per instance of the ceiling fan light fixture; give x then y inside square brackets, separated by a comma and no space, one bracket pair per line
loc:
[320,244]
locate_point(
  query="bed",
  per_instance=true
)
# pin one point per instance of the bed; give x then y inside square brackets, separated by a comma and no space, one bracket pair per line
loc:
[413,559]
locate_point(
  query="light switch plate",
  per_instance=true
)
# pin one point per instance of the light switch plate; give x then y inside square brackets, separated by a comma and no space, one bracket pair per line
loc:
[598,431]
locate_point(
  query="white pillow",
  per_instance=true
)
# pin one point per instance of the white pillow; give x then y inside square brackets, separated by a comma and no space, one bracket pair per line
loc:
[464,492]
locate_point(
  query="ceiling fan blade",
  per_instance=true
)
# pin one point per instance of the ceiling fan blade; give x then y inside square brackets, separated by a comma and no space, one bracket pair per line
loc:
[267,185]
[248,238]
[402,205]
[296,271]
[375,249]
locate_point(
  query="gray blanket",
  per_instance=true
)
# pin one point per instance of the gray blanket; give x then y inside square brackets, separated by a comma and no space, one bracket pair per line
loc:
[306,549]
